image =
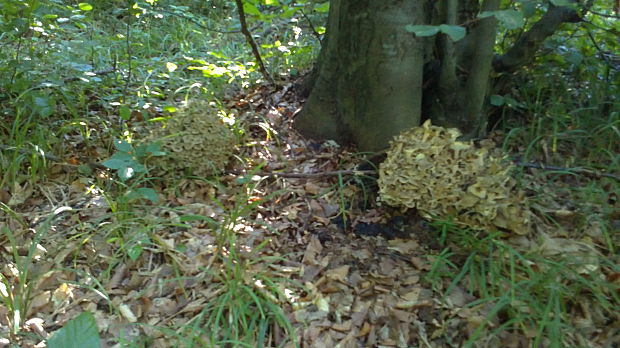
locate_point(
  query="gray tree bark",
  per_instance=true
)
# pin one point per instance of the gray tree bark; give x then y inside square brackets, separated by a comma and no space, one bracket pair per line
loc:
[370,86]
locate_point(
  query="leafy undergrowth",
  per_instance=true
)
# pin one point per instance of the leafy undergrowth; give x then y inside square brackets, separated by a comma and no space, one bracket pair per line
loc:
[289,248]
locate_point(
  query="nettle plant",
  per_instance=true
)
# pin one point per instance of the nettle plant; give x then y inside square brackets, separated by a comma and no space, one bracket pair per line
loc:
[129,162]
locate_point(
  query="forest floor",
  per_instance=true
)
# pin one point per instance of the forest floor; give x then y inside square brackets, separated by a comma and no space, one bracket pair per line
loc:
[303,230]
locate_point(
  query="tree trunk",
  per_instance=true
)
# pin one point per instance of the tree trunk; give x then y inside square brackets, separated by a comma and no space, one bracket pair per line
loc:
[374,79]
[369,84]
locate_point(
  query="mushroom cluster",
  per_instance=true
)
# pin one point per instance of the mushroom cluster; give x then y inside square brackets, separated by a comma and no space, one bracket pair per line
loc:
[428,169]
[197,142]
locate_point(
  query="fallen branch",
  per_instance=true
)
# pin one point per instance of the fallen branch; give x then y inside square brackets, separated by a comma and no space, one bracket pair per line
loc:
[94,73]
[50,157]
[574,170]
[310,175]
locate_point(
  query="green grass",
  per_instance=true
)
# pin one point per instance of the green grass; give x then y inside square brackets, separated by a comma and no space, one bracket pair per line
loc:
[244,303]
[521,290]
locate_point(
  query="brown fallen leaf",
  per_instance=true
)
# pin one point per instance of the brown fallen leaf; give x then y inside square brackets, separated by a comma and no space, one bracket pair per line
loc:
[364,330]
[339,274]
[312,188]
[342,327]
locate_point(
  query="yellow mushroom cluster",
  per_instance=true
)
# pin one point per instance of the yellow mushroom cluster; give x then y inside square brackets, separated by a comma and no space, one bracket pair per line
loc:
[428,169]
[197,143]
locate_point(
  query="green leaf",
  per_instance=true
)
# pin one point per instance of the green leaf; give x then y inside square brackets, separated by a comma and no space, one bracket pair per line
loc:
[134,252]
[123,156]
[85,169]
[169,108]
[125,112]
[511,19]
[251,9]
[79,332]
[148,193]
[44,105]
[562,2]
[143,193]
[528,8]
[497,100]
[155,149]
[84,6]
[322,8]
[114,164]
[122,145]
[171,66]
[455,32]
[138,168]
[422,30]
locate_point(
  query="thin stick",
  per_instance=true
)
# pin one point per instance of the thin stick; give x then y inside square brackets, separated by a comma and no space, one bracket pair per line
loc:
[576,170]
[250,40]
[310,175]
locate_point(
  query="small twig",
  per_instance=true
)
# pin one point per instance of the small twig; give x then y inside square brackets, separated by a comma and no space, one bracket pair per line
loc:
[581,171]
[197,23]
[577,170]
[51,157]
[311,175]
[604,15]
[44,85]
[95,73]
[128,51]
[314,32]
[251,42]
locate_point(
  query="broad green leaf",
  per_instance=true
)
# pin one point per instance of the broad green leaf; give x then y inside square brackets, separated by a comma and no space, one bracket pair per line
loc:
[138,168]
[511,19]
[528,8]
[422,30]
[134,252]
[170,108]
[148,193]
[497,100]
[122,145]
[140,151]
[455,32]
[125,112]
[44,105]
[85,169]
[123,156]
[271,2]
[322,8]
[79,332]
[251,9]
[290,12]
[114,164]
[84,6]
[155,149]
